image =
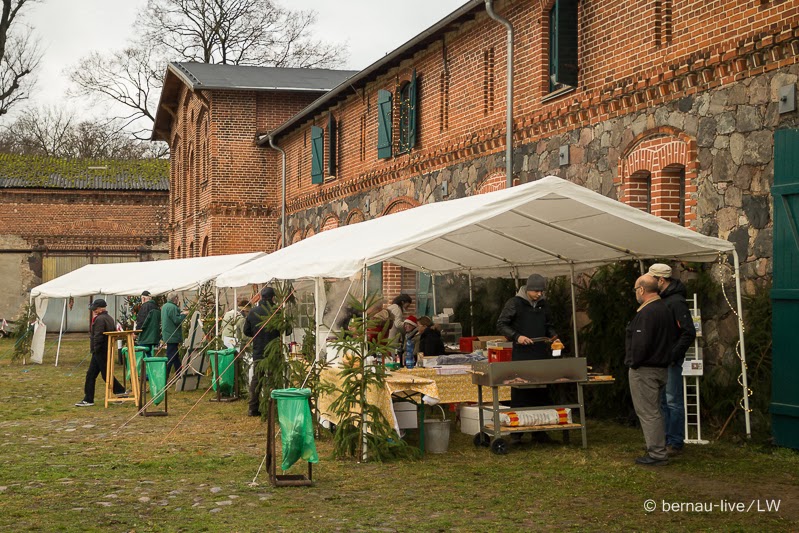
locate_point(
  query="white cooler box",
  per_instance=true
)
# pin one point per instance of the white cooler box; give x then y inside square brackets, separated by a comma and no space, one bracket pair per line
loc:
[470,423]
[406,415]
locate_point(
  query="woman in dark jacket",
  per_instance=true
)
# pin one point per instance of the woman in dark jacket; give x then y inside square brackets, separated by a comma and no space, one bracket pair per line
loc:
[430,342]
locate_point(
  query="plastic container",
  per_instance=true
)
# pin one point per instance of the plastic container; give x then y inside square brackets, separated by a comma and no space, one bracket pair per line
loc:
[410,360]
[500,355]
[466,344]
[436,434]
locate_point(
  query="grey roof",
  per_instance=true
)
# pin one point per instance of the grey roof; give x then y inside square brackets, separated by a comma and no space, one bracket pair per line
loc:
[199,76]
[36,172]
[115,183]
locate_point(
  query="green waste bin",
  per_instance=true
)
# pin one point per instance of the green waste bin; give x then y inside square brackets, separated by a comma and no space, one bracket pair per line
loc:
[226,368]
[296,426]
[156,374]
[140,351]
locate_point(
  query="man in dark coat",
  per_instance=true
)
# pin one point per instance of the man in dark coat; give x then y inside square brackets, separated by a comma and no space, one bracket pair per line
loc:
[101,322]
[261,336]
[147,305]
[148,320]
[650,338]
[526,321]
[673,293]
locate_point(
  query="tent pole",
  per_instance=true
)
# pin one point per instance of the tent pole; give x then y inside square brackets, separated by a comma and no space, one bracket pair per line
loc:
[61,331]
[471,305]
[641,267]
[574,314]
[433,288]
[364,450]
[216,312]
[745,383]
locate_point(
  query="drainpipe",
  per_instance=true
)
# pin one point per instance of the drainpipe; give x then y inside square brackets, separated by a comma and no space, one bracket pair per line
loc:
[509,119]
[283,193]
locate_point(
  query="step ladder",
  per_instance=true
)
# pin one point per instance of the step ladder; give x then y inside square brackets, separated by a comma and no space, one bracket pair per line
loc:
[692,371]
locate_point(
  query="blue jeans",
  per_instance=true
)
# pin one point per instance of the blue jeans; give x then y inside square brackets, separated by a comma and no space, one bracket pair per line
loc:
[673,407]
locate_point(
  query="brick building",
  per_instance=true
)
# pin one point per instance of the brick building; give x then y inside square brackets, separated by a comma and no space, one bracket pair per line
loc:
[225,190]
[57,215]
[668,105]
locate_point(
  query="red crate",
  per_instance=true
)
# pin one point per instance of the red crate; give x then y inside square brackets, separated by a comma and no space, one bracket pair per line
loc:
[499,355]
[466,344]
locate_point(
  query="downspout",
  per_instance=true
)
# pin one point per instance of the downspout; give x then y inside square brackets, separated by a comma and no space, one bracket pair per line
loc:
[509,118]
[283,193]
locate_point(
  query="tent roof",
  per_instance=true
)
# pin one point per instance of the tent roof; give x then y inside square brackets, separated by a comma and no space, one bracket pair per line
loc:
[547,226]
[133,278]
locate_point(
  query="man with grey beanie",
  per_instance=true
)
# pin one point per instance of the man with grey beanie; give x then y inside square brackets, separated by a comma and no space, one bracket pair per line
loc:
[257,326]
[525,320]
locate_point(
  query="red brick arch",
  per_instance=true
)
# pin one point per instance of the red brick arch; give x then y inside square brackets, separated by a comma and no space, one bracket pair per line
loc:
[330,222]
[402,203]
[493,182]
[297,237]
[658,172]
[355,216]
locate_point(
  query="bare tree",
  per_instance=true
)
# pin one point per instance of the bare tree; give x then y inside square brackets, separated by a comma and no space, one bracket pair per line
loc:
[234,32]
[19,55]
[131,77]
[56,132]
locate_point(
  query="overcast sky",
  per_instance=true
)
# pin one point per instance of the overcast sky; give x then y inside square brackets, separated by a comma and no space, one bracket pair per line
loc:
[69,29]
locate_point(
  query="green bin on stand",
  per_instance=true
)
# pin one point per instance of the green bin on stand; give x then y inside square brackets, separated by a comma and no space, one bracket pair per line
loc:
[223,363]
[296,426]
[140,351]
[156,374]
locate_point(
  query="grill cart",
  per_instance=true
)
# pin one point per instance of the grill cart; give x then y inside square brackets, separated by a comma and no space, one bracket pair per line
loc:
[526,374]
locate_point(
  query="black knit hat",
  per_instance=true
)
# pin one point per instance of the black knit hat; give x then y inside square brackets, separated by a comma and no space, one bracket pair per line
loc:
[536,282]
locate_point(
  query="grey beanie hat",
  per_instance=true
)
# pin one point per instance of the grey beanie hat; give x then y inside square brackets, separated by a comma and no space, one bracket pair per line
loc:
[536,282]
[267,293]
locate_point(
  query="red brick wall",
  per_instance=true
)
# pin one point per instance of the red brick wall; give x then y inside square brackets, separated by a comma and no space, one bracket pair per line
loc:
[112,221]
[226,190]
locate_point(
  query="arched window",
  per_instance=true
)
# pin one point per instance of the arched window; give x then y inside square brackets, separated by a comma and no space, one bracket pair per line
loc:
[204,251]
[639,190]
[672,189]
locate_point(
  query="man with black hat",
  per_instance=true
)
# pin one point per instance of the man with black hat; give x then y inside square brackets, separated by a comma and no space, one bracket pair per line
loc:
[526,321]
[261,335]
[148,320]
[101,322]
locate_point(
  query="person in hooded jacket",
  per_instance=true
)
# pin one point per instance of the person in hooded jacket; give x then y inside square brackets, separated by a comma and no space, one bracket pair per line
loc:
[261,337]
[524,320]
[673,293]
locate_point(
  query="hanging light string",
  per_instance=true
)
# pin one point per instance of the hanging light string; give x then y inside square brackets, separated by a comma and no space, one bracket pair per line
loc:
[744,367]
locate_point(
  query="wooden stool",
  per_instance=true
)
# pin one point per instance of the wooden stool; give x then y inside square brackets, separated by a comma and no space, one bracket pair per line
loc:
[113,336]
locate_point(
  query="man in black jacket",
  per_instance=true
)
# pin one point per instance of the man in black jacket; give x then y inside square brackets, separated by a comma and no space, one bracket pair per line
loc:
[261,337]
[650,338]
[526,320]
[673,293]
[101,322]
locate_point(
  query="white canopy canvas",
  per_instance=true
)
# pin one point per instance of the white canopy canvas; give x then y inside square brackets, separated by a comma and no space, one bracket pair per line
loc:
[550,226]
[132,278]
[128,279]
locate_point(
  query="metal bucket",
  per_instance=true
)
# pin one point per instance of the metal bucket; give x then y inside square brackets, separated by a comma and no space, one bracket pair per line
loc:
[436,434]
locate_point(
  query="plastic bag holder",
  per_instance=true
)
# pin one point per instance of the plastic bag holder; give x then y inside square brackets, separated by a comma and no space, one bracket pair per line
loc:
[281,480]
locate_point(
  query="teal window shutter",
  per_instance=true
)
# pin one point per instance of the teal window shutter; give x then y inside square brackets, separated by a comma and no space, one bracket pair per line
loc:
[563,44]
[424,294]
[383,124]
[317,152]
[413,100]
[331,145]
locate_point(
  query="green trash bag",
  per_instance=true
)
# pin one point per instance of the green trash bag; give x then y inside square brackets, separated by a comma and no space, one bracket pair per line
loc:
[226,367]
[140,351]
[156,374]
[296,426]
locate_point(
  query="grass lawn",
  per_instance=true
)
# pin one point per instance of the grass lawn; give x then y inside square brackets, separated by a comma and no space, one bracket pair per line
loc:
[64,468]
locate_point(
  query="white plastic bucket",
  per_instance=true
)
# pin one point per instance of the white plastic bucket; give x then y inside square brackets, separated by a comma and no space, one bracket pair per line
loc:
[436,434]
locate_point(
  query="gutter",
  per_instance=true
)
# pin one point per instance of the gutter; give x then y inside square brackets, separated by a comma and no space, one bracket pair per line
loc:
[283,191]
[509,104]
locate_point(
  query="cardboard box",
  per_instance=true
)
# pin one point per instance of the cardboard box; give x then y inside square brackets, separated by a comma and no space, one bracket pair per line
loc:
[470,423]
[406,415]
[482,342]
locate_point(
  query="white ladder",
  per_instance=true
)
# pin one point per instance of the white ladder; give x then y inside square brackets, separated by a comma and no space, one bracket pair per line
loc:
[691,372]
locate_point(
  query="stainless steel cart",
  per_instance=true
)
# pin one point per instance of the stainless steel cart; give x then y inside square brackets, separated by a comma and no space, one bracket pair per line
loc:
[526,374]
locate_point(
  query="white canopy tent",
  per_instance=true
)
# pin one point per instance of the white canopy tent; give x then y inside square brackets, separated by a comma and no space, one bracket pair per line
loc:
[549,226]
[123,279]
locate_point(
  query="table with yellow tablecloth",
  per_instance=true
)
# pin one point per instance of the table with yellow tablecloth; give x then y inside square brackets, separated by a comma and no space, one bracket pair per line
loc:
[454,388]
[396,384]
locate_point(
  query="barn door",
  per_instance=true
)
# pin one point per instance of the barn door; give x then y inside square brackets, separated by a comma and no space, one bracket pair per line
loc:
[785,290]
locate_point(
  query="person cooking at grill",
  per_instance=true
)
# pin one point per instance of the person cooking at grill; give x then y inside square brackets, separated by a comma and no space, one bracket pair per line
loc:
[526,320]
